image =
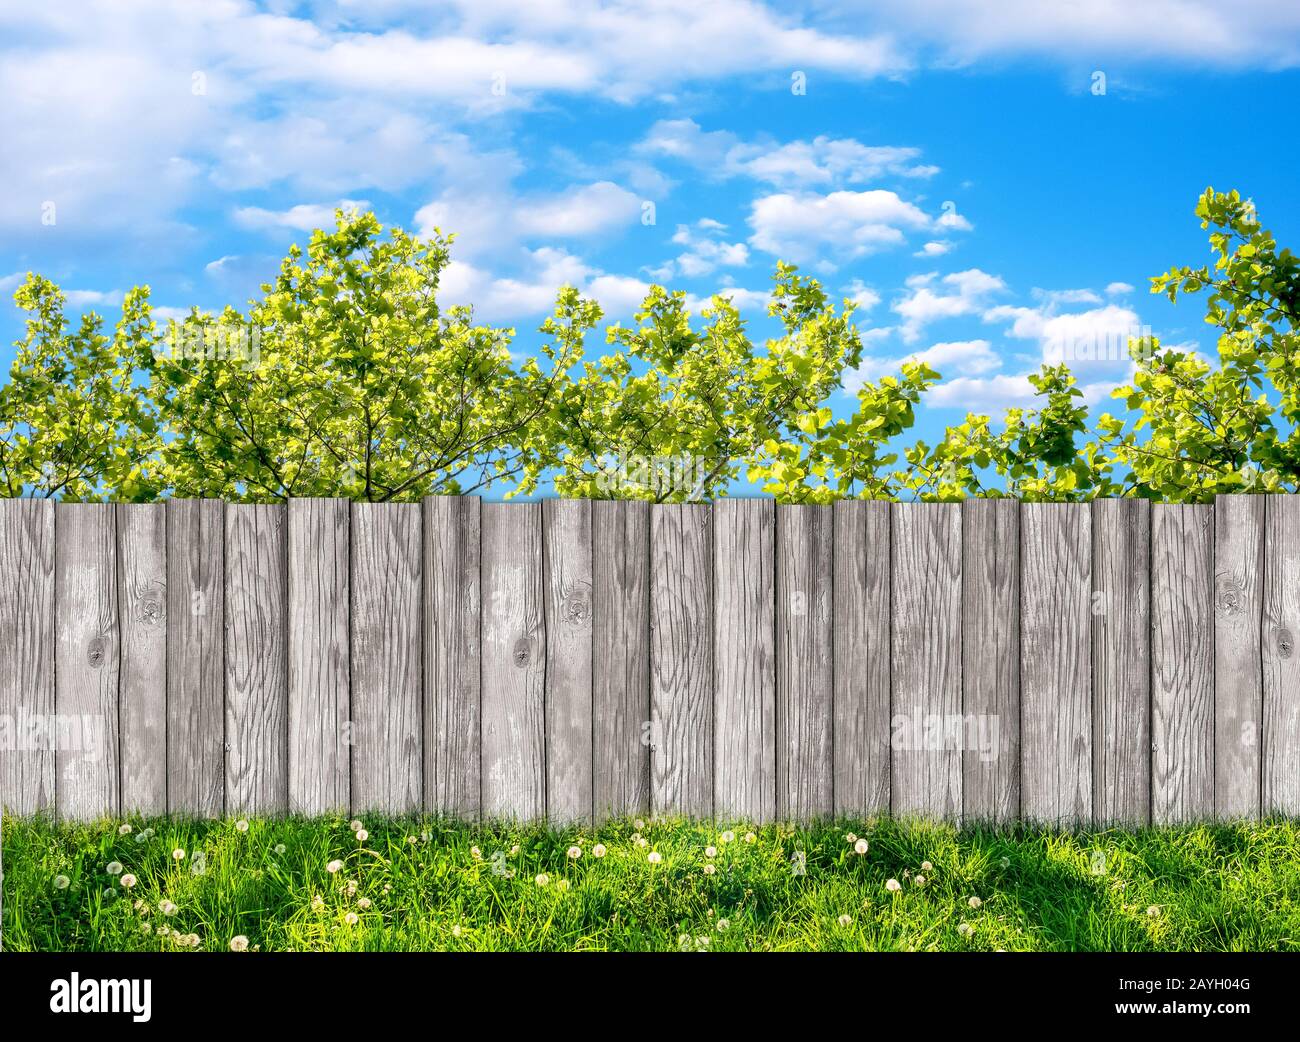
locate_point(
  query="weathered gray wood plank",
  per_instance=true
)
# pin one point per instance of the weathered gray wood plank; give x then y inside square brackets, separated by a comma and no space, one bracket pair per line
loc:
[452,740]
[567,534]
[1280,748]
[87,657]
[142,684]
[1121,661]
[681,659]
[196,717]
[319,691]
[744,659]
[27,784]
[1055,663]
[860,597]
[805,682]
[1182,663]
[1238,679]
[387,658]
[621,657]
[257,661]
[991,659]
[514,662]
[926,727]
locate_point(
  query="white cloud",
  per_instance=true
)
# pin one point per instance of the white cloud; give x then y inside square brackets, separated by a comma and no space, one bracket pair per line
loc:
[1118,289]
[1093,339]
[933,249]
[803,227]
[704,251]
[992,394]
[862,295]
[952,360]
[931,298]
[304,217]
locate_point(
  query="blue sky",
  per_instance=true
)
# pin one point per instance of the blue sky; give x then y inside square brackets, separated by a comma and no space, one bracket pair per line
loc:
[953,166]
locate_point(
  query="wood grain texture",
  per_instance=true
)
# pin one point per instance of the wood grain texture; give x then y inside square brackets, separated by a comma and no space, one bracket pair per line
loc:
[257,659]
[387,658]
[991,659]
[1238,676]
[805,677]
[744,660]
[1182,663]
[142,682]
[927,732]
[1280,748]
[514,662]
[621,657]
[1121,661]
[860,597]
[1055,663]
[567,535]
[452,738]
[196,717]
[319,691]
[87,662]
[27,784]
[681,659]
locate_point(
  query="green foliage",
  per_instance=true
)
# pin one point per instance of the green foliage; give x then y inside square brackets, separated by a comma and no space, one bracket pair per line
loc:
[431,885]
[72,422]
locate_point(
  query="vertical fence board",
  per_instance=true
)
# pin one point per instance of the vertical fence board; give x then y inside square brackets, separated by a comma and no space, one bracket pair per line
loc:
[621,657]
[681,663]
[1280,746]
[1121,662]
[319,656]
[387,658]
[514,662]
[452,742]
[991,659]
[926,637]
[805,681]
[1182,663]
[142,684]
[257,664]
[196,714]
[27,643]
[87,657]
[860,596]
[566,529]
[1055,663]
[1238,680]
[744,660]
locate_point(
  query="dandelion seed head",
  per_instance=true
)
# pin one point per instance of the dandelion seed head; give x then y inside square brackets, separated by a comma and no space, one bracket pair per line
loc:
[893,885]
[239,943]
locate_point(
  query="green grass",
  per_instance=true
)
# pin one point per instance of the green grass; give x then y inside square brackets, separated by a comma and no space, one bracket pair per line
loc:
[428,884]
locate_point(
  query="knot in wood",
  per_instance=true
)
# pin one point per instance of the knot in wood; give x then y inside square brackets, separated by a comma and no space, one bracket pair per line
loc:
[577,608]
[1229,597]
[523,653]
[1285,643]
[95,653]
[151,610]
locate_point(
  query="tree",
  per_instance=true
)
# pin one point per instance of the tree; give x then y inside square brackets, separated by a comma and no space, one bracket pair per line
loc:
[347,379]
[677,413]
[73,423]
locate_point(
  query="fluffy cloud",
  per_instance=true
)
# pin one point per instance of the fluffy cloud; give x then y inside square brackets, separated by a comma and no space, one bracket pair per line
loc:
[1095,339]
[843,225]
[704,251]
[931,298]
[953,360]
[302,218]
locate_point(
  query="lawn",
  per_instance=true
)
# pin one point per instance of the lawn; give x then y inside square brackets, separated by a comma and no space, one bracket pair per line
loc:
[402,884]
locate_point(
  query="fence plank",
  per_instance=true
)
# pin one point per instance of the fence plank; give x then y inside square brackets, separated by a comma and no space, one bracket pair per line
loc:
[681,663]
[452,740]
[257,664]
[387,658]
[1182,663]
[27,643]
[805,684]
[566,530]
[1121,661]
[1055,658]
[196,721]
[1280,745]
[744,660]
[87,656]
[319,656]
[1238,680]
[991,659]
[514,662]
[621,657]
[860,596]
[142,684]
[926,761]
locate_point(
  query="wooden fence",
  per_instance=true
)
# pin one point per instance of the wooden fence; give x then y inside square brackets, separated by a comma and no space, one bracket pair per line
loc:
[1069,664]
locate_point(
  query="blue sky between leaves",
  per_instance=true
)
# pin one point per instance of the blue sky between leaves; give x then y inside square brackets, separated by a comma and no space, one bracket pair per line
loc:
[950,165]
